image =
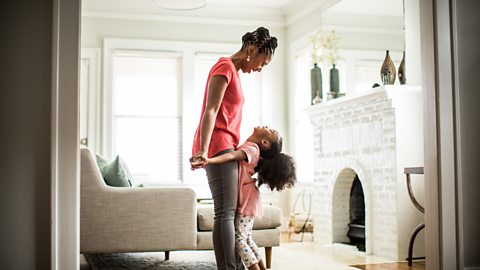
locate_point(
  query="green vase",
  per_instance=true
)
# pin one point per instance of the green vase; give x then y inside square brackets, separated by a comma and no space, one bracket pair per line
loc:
[334,81]
[316,82]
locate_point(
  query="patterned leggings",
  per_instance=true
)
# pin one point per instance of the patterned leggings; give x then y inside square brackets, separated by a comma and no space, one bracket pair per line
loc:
[244,244]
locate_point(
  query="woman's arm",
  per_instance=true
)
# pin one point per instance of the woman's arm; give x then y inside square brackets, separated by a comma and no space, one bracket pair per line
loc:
[230,156]
[216,90]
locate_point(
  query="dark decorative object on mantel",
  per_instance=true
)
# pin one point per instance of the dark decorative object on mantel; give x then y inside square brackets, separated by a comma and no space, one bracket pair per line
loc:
[316,84]
[334,81]
[401,71]
[388,72]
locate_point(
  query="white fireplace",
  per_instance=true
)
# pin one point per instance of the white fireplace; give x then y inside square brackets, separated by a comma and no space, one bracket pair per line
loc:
[373,135]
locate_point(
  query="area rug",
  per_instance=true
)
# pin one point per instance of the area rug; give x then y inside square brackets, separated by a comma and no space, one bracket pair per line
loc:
[143,261]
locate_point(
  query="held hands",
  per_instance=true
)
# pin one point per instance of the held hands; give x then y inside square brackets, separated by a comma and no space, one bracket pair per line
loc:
[199,160]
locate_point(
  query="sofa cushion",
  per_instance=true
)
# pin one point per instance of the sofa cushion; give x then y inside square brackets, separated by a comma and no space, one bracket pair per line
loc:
[115,173]
[272,217]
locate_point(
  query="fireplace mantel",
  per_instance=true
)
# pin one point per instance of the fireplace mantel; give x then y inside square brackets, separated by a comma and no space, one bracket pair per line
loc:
[373,135]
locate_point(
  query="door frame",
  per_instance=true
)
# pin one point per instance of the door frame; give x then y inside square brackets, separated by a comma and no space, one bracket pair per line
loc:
[65,152]
[94,97]
[443,236]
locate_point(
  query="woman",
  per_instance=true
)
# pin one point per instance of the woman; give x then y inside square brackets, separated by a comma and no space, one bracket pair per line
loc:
[219,132]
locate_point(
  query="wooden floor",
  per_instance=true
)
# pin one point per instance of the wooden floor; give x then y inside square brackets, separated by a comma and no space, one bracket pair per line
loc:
[418,265]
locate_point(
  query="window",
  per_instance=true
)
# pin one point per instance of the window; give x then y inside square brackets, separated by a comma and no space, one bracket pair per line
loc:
[252,91]
[146,114]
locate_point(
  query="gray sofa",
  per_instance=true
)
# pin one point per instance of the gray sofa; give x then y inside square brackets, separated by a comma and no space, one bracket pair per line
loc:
[152,219]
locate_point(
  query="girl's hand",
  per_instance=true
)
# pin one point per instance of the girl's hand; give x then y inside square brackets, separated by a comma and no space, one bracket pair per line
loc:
[199,160]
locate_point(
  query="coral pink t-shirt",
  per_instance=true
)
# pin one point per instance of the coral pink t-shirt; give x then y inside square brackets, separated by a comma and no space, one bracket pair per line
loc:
[226,132]
[249,203]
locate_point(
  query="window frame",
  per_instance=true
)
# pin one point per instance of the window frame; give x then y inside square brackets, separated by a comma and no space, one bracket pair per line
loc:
[175,115]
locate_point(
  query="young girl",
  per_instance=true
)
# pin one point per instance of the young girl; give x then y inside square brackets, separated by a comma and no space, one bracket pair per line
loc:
[261,154]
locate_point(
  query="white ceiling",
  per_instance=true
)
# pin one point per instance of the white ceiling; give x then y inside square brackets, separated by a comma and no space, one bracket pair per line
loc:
[366,7]
[276,4]
[269,12]
[369,7]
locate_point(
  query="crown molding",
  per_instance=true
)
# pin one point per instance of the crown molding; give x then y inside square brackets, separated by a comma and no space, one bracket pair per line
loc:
[293,15]
[182,19]
[362,29]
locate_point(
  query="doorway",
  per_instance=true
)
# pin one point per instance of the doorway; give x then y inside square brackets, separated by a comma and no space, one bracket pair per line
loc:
[66,247]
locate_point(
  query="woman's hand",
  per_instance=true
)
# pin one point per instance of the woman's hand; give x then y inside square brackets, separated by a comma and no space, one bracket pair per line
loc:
[199,160]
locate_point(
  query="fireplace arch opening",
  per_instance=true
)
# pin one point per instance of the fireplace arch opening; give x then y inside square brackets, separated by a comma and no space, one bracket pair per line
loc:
[356,226]
[348,215]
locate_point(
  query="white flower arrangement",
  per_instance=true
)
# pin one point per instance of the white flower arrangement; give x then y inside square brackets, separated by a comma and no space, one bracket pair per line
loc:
[317,42]
[324,47]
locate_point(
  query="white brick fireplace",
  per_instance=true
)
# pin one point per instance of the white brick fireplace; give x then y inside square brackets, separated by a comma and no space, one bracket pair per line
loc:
[373,135]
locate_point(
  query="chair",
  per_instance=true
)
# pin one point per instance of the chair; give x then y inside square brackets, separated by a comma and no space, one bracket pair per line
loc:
[301,220]
[408,171]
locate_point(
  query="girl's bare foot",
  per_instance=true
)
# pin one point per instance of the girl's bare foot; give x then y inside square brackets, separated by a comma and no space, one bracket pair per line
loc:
[254,267]
[262,265]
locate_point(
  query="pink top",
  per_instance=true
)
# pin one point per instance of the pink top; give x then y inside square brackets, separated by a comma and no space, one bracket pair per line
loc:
[226,132]
[249,203]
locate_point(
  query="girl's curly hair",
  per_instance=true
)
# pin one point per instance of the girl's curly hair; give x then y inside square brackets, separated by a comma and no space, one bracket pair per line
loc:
[275,169]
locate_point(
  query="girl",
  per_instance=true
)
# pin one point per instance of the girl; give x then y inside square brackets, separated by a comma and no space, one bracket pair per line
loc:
[261,154]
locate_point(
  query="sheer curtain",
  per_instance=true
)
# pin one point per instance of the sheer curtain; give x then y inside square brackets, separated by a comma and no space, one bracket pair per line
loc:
[146,114]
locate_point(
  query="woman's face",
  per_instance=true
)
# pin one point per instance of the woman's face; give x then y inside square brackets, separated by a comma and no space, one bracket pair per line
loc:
[257,62]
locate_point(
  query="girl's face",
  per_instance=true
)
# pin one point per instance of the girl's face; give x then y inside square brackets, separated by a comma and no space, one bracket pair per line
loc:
[265,135]
[257,61]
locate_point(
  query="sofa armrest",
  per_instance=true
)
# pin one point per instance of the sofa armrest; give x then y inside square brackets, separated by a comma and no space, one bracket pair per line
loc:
[137,219]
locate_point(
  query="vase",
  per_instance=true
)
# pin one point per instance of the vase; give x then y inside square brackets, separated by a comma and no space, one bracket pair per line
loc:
[334,81]
[401,71]
[388,72]
[316,83]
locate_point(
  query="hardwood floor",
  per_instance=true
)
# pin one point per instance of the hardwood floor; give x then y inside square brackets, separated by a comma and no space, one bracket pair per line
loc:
[418,265]
[349,259]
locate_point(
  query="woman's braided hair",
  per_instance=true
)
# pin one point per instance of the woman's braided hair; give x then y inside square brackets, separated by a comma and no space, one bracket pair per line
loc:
[261,38]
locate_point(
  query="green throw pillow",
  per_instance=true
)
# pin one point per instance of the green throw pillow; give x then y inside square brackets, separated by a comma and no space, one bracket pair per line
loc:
[115,173]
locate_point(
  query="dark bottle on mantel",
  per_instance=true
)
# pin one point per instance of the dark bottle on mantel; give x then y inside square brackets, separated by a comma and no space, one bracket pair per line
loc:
[401,71]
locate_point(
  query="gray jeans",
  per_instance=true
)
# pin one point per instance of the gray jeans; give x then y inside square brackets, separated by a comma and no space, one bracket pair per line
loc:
[223,182]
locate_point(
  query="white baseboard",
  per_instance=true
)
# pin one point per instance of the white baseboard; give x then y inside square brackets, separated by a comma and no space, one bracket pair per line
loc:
[472,268]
